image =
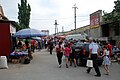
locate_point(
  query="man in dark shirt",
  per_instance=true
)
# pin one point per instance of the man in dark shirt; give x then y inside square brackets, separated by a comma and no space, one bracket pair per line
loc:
[51,46]
[26,43]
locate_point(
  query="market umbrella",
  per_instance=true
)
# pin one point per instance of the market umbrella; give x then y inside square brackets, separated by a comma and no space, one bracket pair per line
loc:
[26,33]
[36,38]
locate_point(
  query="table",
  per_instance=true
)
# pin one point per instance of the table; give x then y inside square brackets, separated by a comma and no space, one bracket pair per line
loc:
[18,56]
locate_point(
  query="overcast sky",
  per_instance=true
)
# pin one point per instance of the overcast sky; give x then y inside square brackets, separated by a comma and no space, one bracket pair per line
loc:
[45,12]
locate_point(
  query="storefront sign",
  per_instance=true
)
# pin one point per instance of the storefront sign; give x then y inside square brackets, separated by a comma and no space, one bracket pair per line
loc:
[95,19]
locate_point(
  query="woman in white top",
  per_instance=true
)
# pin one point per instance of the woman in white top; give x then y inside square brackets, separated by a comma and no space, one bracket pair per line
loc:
[106,59]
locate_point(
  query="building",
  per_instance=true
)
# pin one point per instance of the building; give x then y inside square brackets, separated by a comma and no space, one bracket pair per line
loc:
[46,32]
[1,12]
[111,33]
[7,29]
[100,30]
[95,28]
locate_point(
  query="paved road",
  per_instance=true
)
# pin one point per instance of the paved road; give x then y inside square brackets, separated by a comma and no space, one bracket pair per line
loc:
[44,67]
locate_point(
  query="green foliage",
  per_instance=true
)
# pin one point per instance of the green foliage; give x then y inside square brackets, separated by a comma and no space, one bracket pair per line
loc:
[117,10]
[107,17]
[24,14]
[114,16]
[117,6]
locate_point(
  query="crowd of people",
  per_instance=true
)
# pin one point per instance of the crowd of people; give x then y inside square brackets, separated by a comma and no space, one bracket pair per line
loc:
[66,48]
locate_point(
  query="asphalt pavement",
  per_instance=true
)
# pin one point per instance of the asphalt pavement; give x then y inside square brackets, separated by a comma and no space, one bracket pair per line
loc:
[45,67]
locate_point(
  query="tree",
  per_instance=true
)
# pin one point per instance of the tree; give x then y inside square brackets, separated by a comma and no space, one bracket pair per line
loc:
[24,14]
[116,19]
[114,16]
[117,10]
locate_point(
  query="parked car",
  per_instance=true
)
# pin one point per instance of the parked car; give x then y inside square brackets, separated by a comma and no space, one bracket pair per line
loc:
[78,50]
[83,49]
[115,54]
[115,50]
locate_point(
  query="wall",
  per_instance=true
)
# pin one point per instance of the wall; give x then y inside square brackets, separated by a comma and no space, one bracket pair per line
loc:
[4,39]
[95,32]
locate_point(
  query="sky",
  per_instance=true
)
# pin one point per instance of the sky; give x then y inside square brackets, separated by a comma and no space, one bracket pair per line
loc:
[45,12]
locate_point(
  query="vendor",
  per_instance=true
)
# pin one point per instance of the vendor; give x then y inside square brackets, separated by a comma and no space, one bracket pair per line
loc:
[19,44]
[30,52]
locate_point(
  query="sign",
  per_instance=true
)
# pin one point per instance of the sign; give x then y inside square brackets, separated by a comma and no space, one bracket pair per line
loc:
[45,32]
[12,29]
[95,19]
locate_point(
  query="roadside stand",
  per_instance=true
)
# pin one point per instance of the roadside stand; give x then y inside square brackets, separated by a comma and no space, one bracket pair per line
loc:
[18,56]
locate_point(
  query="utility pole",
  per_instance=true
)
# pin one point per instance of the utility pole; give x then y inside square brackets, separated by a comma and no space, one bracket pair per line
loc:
[75,15]
[56,28]
[62,29]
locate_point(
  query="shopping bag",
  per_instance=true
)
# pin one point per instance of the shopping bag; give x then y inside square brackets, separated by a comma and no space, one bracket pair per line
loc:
[89,63]
[3,62]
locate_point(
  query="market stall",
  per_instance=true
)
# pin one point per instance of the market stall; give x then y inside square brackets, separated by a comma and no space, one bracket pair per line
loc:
[19,56]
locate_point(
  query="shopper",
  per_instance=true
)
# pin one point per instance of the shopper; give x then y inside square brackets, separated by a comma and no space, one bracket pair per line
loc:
[59,51]
[19,44]
[110,48]
[33,43]
[51,46]
[72,54]
[67,54]
[39,45]
[106,59]
[27,43]
[93,55]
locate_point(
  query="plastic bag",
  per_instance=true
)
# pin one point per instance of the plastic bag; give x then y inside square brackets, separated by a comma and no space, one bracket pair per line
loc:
[89,63]
[3,62]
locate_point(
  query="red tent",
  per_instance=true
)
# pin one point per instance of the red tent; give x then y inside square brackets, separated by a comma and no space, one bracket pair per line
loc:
[61,37]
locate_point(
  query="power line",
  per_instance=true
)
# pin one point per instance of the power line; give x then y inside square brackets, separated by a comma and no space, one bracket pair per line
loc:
[83,20]
[69,24]
[51,19]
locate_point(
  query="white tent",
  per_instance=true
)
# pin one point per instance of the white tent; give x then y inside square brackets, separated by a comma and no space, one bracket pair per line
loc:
[76,37]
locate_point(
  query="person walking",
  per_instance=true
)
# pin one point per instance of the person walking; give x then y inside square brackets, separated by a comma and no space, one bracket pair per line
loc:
[59,50]
[51,46]
[106,59]
[39,45]
[110,47]
[33,43]
[72,54]
[67,54]
[93,55]
[45,42]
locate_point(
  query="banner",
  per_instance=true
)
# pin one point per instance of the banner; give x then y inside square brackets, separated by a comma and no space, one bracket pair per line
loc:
[95,19]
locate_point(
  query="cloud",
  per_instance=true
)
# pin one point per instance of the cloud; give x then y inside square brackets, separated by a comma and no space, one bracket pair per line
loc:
[10,8]
[45,12]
